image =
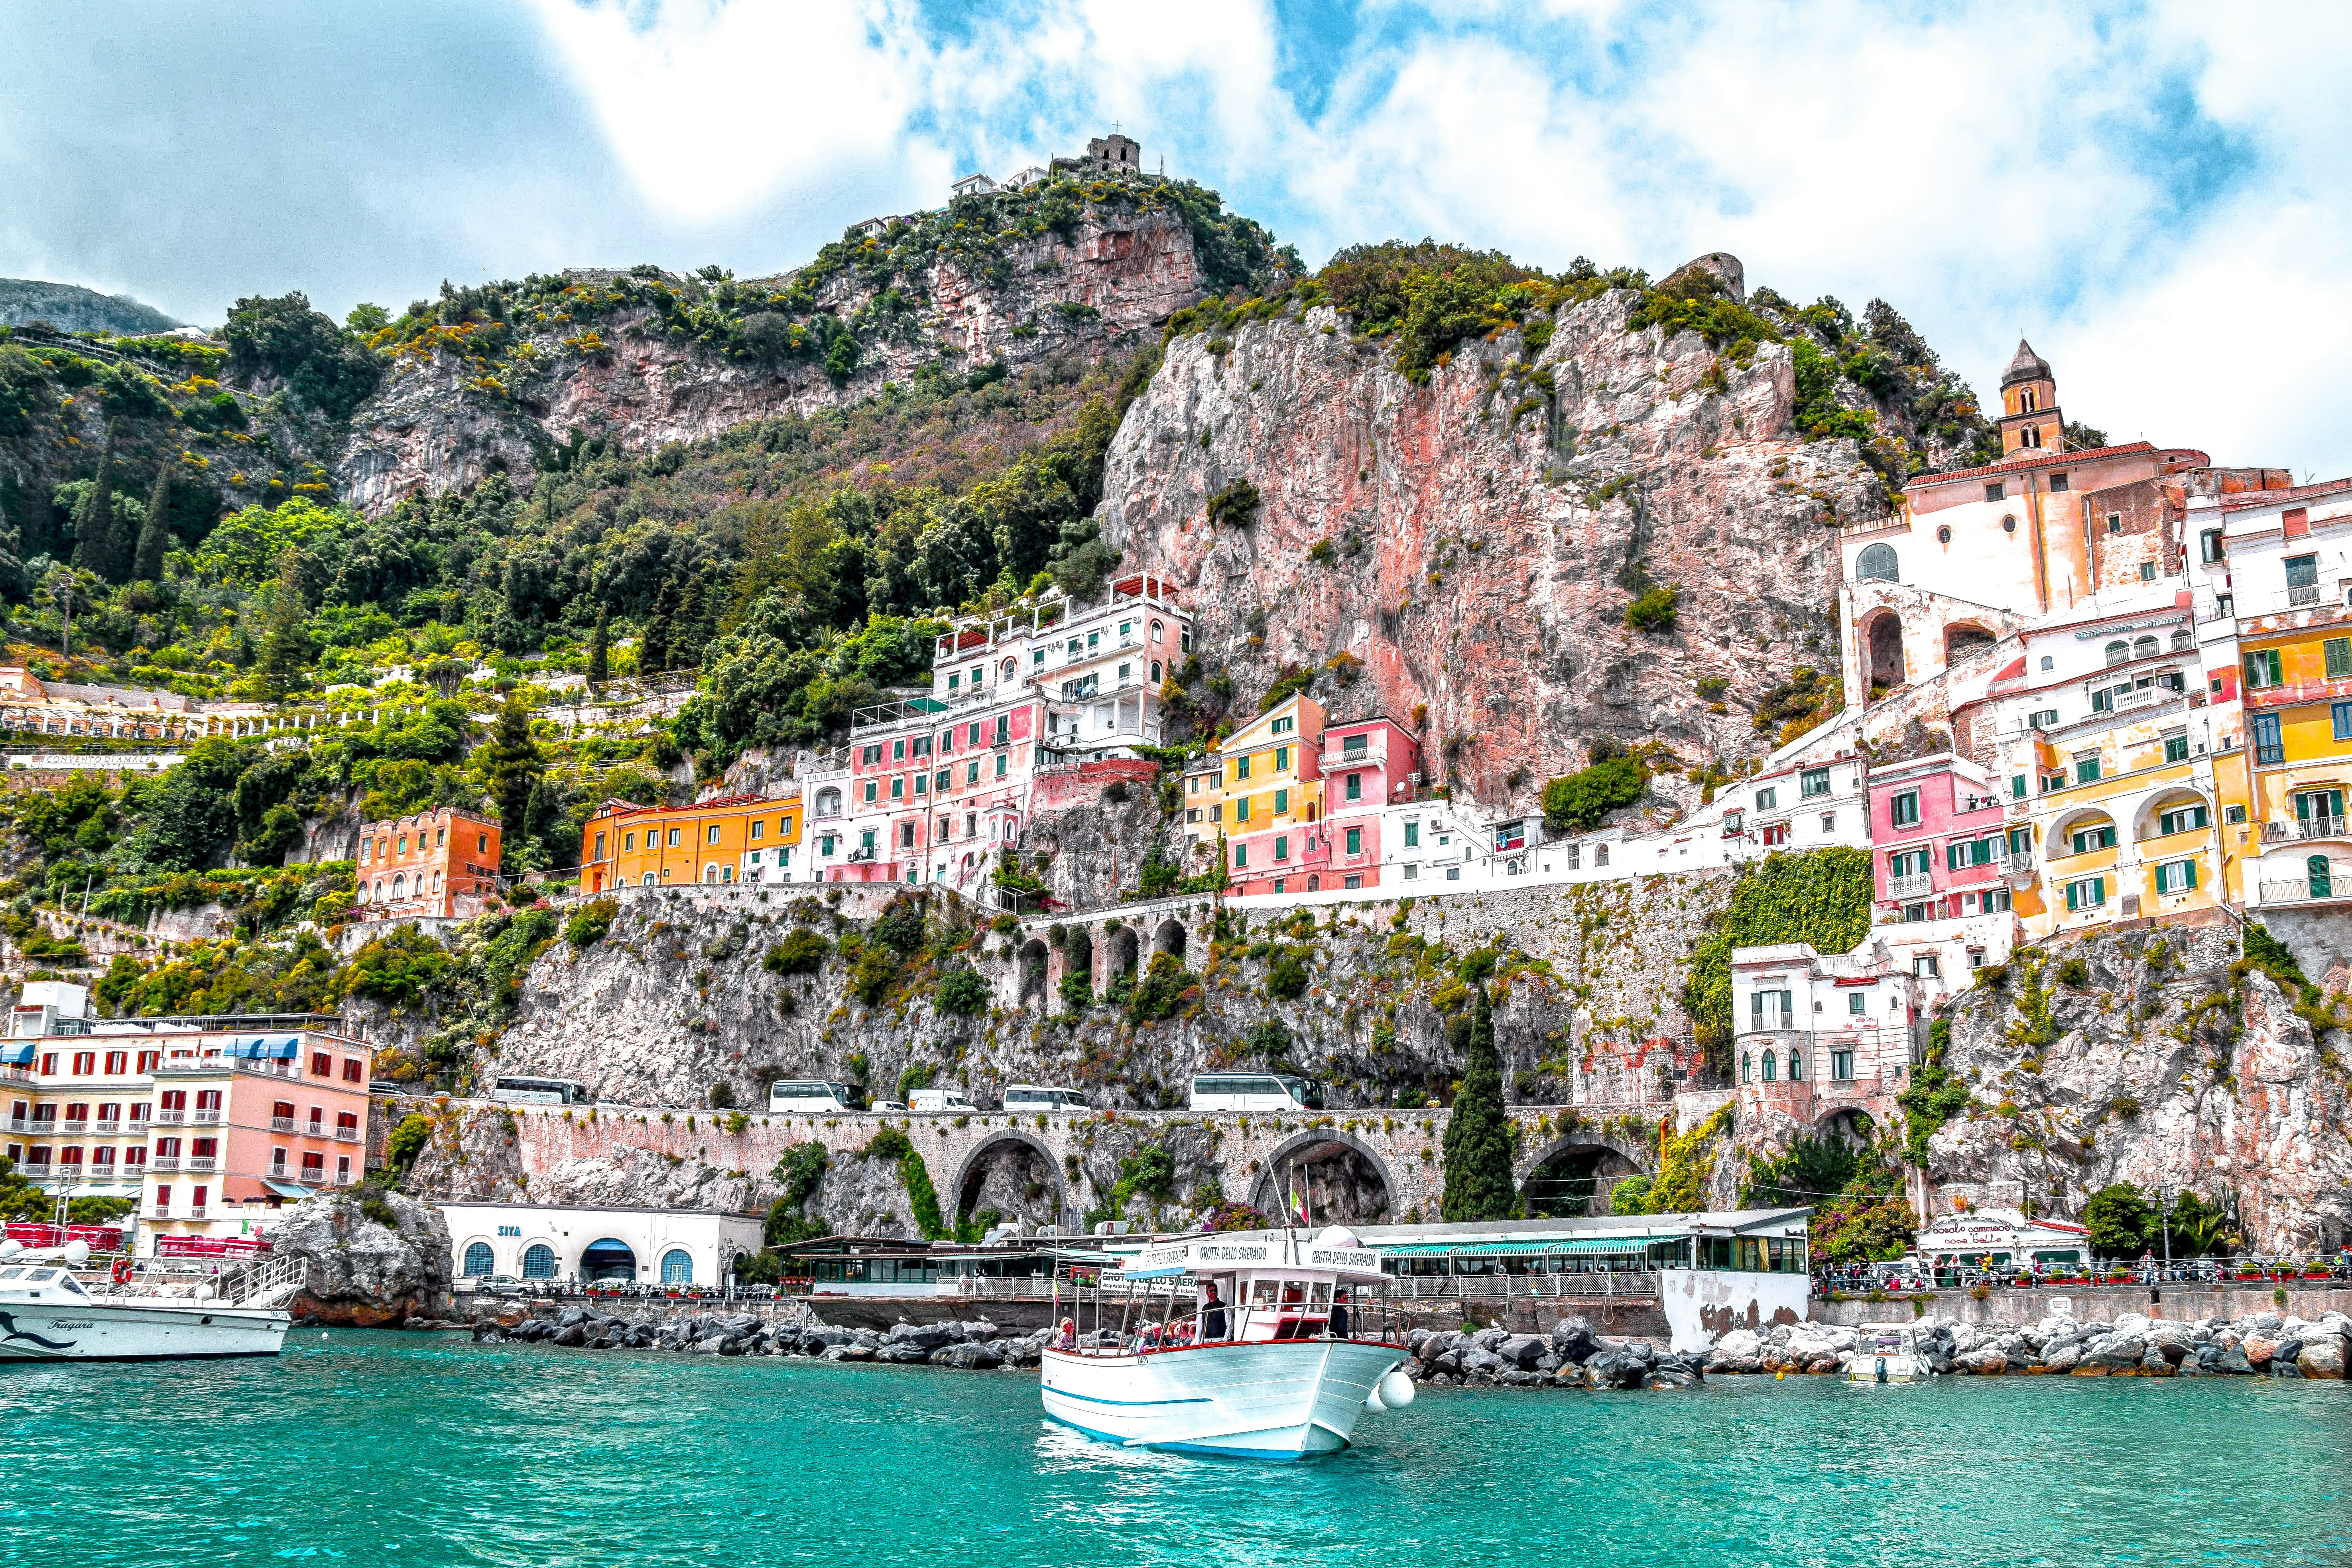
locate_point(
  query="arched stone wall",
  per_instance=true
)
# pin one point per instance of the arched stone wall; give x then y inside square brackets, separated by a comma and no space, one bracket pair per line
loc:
[1610,1160]
[989,1154]
[1319,1146]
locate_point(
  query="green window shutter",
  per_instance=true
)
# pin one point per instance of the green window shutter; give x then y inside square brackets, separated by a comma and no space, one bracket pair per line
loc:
[2339,657]
[1954,857]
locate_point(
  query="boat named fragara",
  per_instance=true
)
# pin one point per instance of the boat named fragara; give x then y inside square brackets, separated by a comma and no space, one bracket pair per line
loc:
[1241,1343]
[47,1314]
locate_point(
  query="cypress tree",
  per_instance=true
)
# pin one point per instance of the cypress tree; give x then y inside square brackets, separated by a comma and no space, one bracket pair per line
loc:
[286,647]
[598,666]
[155,533]
[512,767]
[94,518]
[654,643]
[1478,1136]
[689,636]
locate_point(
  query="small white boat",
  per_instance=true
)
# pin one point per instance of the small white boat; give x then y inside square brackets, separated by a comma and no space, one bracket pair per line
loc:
[1241,1343]
[1887,1352]
[47,1314]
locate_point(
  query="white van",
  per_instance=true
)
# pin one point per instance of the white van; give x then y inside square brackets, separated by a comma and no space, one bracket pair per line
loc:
[804,1096]
[1254,1091]
[935,1101]
[1033,1096]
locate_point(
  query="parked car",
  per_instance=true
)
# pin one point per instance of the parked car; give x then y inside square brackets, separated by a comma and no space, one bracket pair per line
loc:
[882,1105]
[499,1285]
[936,1101]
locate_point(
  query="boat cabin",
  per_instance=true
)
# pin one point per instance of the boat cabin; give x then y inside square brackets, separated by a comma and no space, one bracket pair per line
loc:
[18,1283]
[1261,1285]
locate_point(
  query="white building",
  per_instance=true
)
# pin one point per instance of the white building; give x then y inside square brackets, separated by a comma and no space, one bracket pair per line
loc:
[1798,1015]
[557,1242]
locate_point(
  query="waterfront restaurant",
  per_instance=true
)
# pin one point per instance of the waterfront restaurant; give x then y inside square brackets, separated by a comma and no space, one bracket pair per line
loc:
[1769,1241]
[894,1266]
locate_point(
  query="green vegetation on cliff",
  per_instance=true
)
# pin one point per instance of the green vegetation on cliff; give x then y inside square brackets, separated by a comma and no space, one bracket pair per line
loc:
[1821,896]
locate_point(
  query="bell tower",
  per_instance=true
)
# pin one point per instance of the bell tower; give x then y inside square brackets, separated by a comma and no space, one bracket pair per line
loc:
[2029,419]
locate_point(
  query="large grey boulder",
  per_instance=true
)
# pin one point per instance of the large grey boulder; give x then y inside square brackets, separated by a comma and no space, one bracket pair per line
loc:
[371,1258]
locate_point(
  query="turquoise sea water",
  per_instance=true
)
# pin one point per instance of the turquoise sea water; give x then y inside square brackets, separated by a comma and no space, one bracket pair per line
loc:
[380,1448]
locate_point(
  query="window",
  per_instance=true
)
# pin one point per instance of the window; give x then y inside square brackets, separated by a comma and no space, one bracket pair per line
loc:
[2017,786]
[1812,782]
[1771,1068]
[1904,811]
[1241,768]
[1000,765]
[2181,819]
[1828,822]
[1241,856]
[2301,572]
[1856,1004]
[2269,750]
[1775,834]
[2044,719]
[2086,768]
[673,832]
[1355,790]
[2057,484]
[2086,839]
[1281,801]
[2147,570]
[2341,714]
[2209,545]
[678,1267]
[537,1261]
[1842,1065]
[1355,841]
[971,772]
[1796,1065]
[1412,871]
[1962,853]
[1413,834]
[711,836]
[1926,966]
[1746,1067]
[1241,809]
[2338,651]
[1993,490]
[2176,876]
[1282,846]
[1878,564]
[478,1258]
[1281,758]
[1769,1009]
[1768,799]
[1355,747]
[2087,894]
[2114,523]
[1282,726]
[1996,901]
[2176,748]
[2119,652]
[2322,876]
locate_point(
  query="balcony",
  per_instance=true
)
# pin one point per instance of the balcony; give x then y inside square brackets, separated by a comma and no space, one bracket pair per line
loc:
[195,1211]
[110,1129]
[164,1163]
[281,1124]
[345,1178]
[312,1176]
[2021,863]
[2302,594]
[165,1114]
[210,1118]
[278,1174]
[201,1163]
[315,1129]
[73,1127]
[2319,827]
[1917,885]
[19,1124]
[2304,890]
[347,1134]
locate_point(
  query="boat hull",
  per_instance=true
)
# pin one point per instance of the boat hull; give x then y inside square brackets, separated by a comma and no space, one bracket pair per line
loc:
[120,1331]
[1280,1399]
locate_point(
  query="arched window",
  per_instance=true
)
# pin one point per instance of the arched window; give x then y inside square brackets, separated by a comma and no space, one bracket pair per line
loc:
[1155,669]
[1878,564]
[2146,648]
[1155,631]
[711,873]
[1746,1067]
[2119,652]
[2048,662]
[1796,1066]
[828,803]
[478,1258]
[647,880]
[2182,641]
[1314,884]
[399,887]
[2323,877]
[539,1261]
[1771,1068]
[678,1267]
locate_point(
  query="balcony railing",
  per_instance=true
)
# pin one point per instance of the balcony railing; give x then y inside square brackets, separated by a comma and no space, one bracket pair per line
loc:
[2307,594]
[200,1162]
[166,1114]
[2021,863]
[278,1174]
[345,1178]
[2319,827]
[195,1211]
[312,1176]
[315,1129]
[281,1124]
[1919,884]
[111,1129]
[2306,889]
[347,1134]
[73,1127]
[19,1124]
[164,1163]
[207,1117]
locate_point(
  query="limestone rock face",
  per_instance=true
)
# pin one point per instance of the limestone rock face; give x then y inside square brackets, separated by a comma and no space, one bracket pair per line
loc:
[2159,1070]
[1488,531]
[1103,285]
[361,1272]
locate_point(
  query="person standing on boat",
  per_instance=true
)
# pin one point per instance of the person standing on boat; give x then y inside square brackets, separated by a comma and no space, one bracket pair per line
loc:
[1068,1338]
[1213,1316]
[1340,1314]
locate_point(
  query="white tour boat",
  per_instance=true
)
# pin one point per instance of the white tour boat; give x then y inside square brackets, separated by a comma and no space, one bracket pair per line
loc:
[47,1314]
[1243,1343]
[1887,1352]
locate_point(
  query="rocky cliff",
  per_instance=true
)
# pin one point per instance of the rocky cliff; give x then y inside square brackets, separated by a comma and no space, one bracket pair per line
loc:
[372,1260]
[1467,549]
[2150,1057]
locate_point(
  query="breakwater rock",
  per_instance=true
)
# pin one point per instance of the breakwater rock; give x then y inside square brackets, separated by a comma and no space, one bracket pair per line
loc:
[2257,1343]
[1570,1356]
[975,1345]
[369,1259]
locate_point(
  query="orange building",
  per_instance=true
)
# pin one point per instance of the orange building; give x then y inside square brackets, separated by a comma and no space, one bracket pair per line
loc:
[734,838]
[436,864]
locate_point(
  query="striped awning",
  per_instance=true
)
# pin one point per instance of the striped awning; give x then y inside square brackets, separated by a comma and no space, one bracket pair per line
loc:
[1627,1243]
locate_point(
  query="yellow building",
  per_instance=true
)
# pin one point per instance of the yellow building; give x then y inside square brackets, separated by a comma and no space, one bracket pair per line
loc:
[736,838]
[1260,792]
[2298,761]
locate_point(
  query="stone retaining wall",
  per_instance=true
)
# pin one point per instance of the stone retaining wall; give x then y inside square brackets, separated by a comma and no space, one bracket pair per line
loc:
[2179,1303]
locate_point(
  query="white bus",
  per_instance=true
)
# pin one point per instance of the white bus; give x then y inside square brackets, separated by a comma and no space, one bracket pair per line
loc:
[934,1100]
[539,1091]
[787,1094]
[1254,1091]
[1033,1096]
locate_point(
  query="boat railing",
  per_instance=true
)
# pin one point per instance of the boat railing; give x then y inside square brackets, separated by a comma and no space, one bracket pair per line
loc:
[1596,1285]
[1157,1314]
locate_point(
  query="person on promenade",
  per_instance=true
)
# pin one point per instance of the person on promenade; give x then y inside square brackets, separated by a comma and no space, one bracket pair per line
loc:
[1213,1316]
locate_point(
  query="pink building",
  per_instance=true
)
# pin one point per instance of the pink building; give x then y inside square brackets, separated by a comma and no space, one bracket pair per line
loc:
[1367,765]
[949,793]
[1940,844]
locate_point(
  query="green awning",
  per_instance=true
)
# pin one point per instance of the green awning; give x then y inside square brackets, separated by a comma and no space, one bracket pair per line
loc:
[285,1189]
[1625,1244]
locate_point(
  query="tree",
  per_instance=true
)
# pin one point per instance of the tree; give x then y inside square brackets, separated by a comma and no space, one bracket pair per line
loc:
[155,532]
[2118,1218]
[1478,1137]
[21,1199]
[661,631]
[599,664]
[283,337]
[94,518]
[286,648]
[1577,802]
[511,766]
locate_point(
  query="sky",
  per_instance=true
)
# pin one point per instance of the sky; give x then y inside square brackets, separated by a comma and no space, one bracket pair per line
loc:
[2159,196]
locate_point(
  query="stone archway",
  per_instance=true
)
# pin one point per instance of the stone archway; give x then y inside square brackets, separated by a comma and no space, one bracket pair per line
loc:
[1031,963]
[1964,637]
[1119,946]
[1014,1174]
[1572,1176]
[1882,641]
[1342,1178]
[1170,937]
